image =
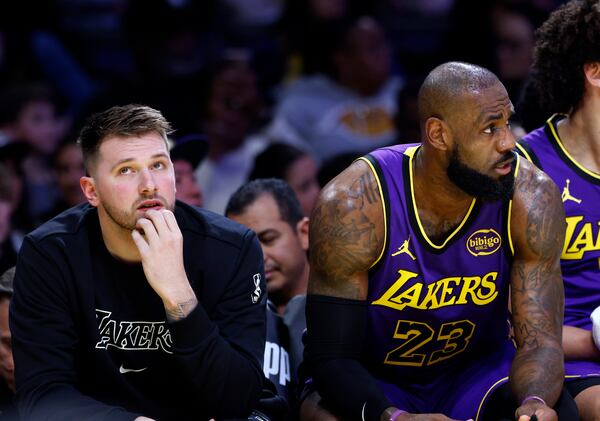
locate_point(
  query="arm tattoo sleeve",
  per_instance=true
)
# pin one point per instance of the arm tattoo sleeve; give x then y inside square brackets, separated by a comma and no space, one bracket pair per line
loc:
[537,291]
[346,232]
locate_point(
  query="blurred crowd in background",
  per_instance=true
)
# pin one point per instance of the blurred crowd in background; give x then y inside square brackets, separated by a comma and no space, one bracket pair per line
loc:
[294,89]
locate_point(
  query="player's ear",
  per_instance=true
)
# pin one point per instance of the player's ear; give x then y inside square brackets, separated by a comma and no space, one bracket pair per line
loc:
[302,232]
[436,132]
[592,73]
[88,186]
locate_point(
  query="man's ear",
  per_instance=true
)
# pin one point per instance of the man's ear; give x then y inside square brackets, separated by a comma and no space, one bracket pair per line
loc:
[437,134]
[302,232]
[88,186]
[592,73]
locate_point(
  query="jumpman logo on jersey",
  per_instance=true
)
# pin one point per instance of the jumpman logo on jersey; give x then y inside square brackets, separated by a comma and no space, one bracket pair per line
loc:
[566,194]
[404,249]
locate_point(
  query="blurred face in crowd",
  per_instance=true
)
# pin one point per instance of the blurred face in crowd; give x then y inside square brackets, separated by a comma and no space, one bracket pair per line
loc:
[38,125]
[515,43]
[284,247]
[185,182]
[130,176]
[302,178]
[7,365]
[234,101]
[366,58]
[69,170]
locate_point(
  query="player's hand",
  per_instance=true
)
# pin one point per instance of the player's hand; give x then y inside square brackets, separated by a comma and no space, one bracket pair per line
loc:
[160,243]
[541,411]
[595,316]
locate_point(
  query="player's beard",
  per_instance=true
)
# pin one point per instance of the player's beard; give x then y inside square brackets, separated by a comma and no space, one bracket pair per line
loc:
[477,184]
[128,219]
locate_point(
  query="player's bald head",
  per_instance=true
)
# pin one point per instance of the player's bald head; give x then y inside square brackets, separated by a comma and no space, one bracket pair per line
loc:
[445,87]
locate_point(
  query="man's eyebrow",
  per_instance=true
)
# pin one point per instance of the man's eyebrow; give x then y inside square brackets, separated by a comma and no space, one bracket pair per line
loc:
[485,118]
[125,160]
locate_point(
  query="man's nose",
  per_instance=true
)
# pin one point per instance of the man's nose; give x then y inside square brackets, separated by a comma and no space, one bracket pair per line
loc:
[147,182]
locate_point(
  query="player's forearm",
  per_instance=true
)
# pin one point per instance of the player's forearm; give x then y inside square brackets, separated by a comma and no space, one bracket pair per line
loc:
[578,344]
[538,371]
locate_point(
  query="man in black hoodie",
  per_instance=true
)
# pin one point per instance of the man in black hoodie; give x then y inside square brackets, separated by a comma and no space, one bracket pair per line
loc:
[135,305]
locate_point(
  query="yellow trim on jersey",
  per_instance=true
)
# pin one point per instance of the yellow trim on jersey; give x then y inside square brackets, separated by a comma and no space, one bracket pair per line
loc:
[411,154]
[486,395]
[510,242]
[510,202]
[524,152]
[561,146]
[382,205]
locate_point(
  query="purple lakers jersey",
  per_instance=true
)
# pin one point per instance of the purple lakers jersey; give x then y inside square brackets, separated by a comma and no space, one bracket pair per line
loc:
[580,260]
[437,308]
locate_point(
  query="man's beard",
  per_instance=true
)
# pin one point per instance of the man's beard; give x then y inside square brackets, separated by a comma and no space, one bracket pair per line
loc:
[477,184]
[128,220]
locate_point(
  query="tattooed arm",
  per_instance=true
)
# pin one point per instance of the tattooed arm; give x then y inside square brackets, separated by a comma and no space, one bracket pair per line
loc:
[537,229]
[346,236]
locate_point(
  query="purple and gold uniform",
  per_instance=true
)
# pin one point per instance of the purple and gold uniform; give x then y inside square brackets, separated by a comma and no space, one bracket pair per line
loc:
[438,335]
[580,260]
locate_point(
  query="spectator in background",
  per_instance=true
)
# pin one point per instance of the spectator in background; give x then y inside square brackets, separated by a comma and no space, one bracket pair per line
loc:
[296,167]
[186,155]
[350,103]
[68,164]
[8,251]
[29,114]
[230,115]
[270,208]
[335,165]
[7,365]
[407,116]
[11,158]
[302,19]
[513,26]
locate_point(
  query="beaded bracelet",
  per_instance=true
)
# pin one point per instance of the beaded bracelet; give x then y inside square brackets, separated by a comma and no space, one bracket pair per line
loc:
[533,398]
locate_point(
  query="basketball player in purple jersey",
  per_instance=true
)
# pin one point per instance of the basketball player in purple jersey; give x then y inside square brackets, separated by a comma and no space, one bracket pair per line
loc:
[413,250]
[567,76]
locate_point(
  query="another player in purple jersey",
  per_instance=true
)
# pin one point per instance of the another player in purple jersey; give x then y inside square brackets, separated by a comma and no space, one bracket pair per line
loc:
[413,250]
[567,77]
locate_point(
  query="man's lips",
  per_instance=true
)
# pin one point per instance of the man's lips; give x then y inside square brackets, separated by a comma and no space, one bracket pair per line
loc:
[150,204]
[505,166]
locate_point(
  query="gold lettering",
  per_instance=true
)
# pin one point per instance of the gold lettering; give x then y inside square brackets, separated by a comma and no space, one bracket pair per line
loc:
[387,300]
[470,284]
[491,286]
[441,293]
[582,243]
[447,291]
[431,297]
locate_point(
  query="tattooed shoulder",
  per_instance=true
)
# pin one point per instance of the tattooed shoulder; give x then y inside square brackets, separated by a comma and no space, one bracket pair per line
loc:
[346,233]
[538,214]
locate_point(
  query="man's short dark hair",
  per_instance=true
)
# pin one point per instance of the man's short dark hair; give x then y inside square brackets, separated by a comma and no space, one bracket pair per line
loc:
[275,161]
[446,84]
[287,202]
[123,121]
